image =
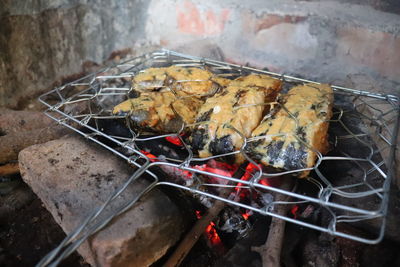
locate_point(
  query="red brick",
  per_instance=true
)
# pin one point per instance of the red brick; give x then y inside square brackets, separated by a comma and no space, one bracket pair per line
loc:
[377,50]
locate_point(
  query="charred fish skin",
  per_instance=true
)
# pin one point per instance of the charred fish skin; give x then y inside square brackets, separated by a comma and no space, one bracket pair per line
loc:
[296,134]
[137,112]
[199,137]
[138,117]
[221,145]
[230,115]
[224,145]
[161,112]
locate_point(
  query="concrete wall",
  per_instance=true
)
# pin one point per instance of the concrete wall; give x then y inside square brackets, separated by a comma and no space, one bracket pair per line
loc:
[43,40]
[392,6]
[346,42]
[325,40]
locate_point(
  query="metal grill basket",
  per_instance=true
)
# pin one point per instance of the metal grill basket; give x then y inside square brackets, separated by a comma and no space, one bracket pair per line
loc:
[363,131]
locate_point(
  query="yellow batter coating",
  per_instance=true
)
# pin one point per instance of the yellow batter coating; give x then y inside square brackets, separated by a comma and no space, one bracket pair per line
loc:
[291,137]
[241,106]
[183,81]
[169,97]
[150,79]
[159,111]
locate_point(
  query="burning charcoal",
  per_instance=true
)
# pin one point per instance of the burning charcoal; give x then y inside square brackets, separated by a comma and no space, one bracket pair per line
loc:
[113,127]
[307,212]
[239,108]
[162,147]
[240,253]
[217,167]
[213,239]
[205,201]
[291,139]
[266,199]
[232,221]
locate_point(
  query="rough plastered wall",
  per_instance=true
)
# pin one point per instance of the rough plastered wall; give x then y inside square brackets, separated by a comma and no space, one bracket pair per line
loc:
[331,41]
[42,41]
[353,43]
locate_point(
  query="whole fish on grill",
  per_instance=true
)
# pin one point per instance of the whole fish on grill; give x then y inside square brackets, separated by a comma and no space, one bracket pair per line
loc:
[292,138]
[231,115]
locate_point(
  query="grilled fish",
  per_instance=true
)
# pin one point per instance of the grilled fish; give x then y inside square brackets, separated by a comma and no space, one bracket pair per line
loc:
[161,112]
[231,115]
[292,138]
[182,81]
[166,98]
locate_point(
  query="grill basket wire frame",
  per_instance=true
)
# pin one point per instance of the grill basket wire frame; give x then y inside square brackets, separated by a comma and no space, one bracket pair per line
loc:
[92,98]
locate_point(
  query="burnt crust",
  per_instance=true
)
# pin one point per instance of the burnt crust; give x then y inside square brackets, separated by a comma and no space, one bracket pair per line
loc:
[292,138]
[231,115]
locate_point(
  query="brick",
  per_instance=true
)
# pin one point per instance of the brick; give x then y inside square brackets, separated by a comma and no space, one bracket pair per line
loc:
[371,49]
[72,177]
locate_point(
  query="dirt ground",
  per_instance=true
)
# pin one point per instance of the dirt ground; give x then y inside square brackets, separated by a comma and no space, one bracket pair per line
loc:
[28,233]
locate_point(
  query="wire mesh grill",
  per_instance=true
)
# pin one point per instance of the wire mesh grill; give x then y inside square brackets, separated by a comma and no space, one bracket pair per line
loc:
[350,184]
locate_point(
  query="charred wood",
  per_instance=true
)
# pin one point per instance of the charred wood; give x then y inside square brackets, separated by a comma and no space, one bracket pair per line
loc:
[271,251]
[197,230]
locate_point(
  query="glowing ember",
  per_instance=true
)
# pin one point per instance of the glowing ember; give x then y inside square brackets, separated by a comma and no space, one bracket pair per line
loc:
[244,194]
[210,232]
[294,211]
[246,215]
[212,166]
[223,169]
[250,170]
[264,182]
[174,140]
[220,168]
[217,167]
[212,235]
[177,171]
[149,155]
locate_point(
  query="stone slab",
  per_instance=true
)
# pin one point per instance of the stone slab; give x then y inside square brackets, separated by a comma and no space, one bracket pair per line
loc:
[72,177]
